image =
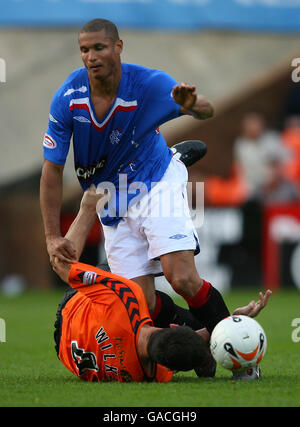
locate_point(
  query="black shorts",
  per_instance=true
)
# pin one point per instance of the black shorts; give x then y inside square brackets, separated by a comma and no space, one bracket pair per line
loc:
[58,322]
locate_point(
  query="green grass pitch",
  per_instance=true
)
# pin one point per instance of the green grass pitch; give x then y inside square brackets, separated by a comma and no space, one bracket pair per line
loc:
[32,376]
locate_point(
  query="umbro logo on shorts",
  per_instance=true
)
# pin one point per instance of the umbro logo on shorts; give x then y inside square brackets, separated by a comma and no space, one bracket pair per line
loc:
[178,236]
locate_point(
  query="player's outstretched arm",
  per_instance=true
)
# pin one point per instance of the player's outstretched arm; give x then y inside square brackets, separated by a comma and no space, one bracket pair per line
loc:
[50,202]
[78,232]
[191,102]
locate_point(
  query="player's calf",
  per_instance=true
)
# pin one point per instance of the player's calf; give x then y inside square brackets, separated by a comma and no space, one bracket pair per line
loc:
[208,306]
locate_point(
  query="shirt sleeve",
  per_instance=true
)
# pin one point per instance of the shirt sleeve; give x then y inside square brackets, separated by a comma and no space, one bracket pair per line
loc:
[158,101]
[60,128]
[86,278]
[163,374]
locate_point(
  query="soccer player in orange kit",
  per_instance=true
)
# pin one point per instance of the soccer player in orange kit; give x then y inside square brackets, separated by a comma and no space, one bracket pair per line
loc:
[104,331]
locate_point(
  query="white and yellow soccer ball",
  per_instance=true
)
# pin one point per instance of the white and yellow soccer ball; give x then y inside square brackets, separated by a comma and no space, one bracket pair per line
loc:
[238,343]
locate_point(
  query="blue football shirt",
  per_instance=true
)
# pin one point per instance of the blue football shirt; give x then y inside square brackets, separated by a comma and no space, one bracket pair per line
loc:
[125,147]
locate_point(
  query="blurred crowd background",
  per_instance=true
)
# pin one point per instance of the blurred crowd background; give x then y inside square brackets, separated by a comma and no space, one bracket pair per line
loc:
[242,55]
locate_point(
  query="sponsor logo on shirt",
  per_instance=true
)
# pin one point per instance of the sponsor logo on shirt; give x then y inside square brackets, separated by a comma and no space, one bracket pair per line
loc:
[49,142]
[178,236]
[85,173]
[89,278]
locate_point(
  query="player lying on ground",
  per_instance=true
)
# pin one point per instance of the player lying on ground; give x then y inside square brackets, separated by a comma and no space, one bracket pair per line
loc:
[104,331]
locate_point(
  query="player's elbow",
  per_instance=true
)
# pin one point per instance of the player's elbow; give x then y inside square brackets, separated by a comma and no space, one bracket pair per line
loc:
[202,109]
[52,174]
[206,111]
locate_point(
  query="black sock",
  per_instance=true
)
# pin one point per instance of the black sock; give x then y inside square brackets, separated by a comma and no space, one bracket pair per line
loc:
[167,312]
[208,306]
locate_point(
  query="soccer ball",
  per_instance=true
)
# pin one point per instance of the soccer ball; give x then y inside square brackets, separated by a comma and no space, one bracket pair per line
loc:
[238,343]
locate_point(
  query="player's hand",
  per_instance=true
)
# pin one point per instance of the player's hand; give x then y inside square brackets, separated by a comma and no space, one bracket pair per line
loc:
[93,201]
[61,268]
[61,248]
[204,334]
[254,308]
[185,95]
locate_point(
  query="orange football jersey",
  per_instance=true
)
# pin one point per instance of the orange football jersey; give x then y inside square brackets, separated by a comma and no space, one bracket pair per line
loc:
[101,325]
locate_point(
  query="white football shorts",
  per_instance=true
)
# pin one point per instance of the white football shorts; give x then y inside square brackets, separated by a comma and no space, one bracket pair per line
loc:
[158,224]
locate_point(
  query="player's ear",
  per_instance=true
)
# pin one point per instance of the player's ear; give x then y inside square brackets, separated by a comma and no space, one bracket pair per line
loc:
[119,46]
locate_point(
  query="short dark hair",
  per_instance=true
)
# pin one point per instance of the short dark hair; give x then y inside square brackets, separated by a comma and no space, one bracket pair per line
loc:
[98,24]
[179,348]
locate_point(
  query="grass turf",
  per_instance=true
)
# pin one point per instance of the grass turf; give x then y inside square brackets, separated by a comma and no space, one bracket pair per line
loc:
[31,374]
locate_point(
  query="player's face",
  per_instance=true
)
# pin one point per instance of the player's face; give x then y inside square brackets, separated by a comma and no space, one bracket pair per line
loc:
[100,54]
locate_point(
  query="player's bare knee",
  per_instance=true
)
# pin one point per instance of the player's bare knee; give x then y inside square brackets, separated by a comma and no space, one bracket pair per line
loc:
[185,285]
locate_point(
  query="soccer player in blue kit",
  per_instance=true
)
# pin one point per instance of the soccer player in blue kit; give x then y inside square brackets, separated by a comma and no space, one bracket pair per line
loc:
[113,111]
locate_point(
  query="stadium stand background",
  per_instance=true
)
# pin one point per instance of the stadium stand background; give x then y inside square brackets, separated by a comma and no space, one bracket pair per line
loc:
[238,69]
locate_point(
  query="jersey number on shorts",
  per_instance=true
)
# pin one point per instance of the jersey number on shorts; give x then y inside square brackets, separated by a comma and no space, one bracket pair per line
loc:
[83,359]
